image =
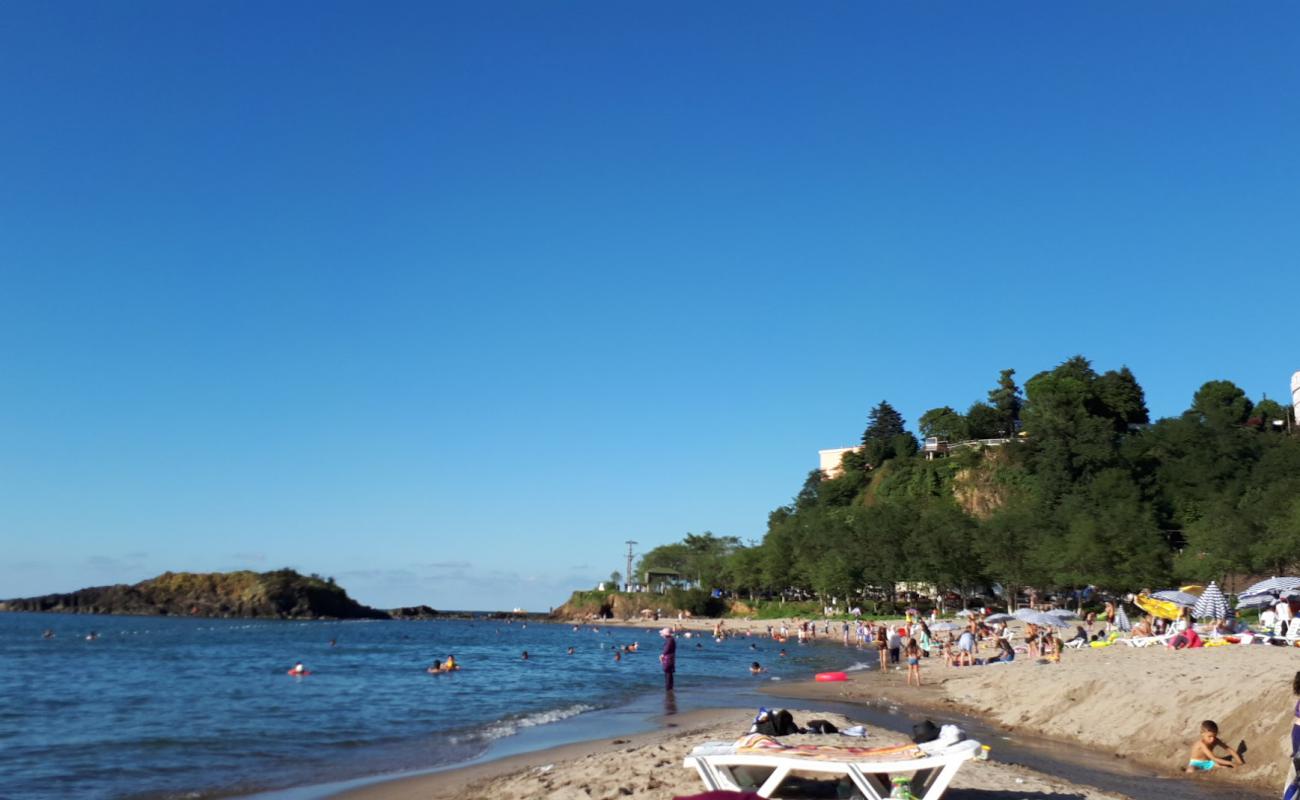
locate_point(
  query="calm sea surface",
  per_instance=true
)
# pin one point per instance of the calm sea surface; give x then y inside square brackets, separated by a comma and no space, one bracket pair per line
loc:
[160,707]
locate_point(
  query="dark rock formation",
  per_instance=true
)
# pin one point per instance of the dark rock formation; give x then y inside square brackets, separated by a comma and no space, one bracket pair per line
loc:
[283,594]
[413,612]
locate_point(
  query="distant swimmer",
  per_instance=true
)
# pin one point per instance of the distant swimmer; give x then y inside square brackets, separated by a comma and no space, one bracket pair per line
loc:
[525,655]
[435,669]
[92,636]
[299,669]
[48,633]
[756,669]
[450,664]
[570,651]
[334,642]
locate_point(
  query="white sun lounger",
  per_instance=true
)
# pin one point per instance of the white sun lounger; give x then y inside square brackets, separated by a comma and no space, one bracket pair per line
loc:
[1147,641]
[935,764]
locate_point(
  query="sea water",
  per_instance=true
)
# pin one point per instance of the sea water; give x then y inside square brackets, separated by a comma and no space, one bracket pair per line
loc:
[162,707]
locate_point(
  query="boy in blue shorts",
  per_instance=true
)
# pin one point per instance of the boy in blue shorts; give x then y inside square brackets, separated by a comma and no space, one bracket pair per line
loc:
[1202,757]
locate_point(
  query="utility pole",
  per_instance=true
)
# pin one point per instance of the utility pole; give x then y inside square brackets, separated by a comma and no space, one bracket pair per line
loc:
[627,577]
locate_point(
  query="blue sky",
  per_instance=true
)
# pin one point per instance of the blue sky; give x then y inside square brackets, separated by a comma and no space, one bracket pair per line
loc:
[448,301]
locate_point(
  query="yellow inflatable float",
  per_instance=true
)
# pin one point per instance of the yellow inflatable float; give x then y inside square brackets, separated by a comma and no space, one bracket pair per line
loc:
[1158,608]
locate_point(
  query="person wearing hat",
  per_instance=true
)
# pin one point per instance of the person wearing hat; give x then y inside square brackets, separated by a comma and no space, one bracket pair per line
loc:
[668,658]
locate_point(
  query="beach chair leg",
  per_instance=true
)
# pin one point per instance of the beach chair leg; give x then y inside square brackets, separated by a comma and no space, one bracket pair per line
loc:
[773,781]
[706,774]
[863,782]
[941,781]
[922,779]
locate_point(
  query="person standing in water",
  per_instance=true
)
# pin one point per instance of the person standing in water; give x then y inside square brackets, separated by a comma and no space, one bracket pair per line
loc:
[668,658]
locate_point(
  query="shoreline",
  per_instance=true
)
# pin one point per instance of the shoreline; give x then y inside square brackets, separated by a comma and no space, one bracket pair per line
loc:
[650,765]
[1111,709]
[1012,707]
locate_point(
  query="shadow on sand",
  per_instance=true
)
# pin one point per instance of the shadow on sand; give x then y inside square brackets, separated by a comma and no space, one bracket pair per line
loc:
[999,794]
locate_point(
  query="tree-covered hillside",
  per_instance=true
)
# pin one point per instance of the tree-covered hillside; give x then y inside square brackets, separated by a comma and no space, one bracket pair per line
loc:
[1086,491]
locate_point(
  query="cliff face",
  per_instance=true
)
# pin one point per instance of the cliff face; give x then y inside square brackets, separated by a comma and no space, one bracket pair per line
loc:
[283,594]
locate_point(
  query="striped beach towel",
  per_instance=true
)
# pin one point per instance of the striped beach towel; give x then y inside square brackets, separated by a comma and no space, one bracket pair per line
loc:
[759,744]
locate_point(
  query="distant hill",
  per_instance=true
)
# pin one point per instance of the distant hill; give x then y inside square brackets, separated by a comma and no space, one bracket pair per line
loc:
[283,594]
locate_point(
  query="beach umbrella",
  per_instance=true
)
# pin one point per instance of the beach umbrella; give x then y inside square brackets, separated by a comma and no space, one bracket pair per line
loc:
[1255,601]
[996,618]
[1211,604]
[965,612]
[1121,619]
[1047,620]
[1024,613]
[1273,586]
[945,626]
[1176,597]
[1063,613]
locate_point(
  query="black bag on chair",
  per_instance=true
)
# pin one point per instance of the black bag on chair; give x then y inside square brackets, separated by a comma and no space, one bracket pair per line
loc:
[924,732]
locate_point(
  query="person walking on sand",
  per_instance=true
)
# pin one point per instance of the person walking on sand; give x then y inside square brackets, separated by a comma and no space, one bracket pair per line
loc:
[668,658]
[882,647]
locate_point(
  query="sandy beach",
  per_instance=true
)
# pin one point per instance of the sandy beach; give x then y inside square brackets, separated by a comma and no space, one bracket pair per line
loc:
[1144,705]
[650,766]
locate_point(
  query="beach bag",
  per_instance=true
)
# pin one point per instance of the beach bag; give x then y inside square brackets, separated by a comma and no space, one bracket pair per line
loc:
[923,732]
[779,724]
[821,726]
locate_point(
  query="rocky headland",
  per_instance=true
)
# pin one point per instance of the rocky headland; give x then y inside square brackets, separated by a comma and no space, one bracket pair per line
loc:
[282,594]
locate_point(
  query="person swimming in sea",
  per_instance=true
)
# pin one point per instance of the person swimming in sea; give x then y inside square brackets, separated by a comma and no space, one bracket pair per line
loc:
[525,655]
[298,669]
[436,668]
[48,633]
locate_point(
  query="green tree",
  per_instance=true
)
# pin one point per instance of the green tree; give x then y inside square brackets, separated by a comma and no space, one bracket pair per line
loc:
[945,423]
[983,421]
[1220,404]
[1122,398]
[1006,542]
[1111,538]
[886,436]
[1268,411]
[615,579]
[1007,400]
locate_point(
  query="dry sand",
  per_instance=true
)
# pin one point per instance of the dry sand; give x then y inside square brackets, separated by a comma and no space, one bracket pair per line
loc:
[650,766]
[1141,704]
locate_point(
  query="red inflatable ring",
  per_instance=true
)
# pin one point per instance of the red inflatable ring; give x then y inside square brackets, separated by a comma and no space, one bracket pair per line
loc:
[829,677]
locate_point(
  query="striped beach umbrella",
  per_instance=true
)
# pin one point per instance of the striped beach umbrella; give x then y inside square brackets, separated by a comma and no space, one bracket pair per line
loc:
[1272,586]
[1255,601]
[996,618]
[1121,619]
[1062,613]
[1179,598]
[1211,604]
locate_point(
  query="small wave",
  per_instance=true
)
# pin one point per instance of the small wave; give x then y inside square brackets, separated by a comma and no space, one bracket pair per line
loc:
[861,665]
[509,727]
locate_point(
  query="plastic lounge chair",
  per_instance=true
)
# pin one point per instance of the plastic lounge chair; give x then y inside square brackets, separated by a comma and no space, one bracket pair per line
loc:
[869,769]
[1147,641]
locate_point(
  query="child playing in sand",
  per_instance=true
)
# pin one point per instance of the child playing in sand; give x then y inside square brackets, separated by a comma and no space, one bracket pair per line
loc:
[913,652]
[1202,757]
